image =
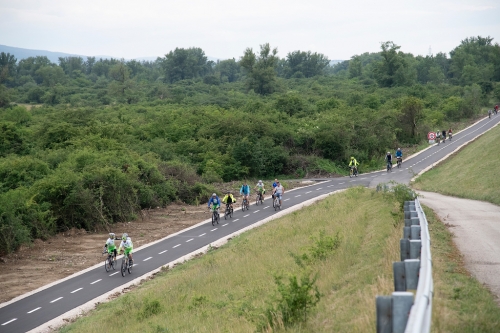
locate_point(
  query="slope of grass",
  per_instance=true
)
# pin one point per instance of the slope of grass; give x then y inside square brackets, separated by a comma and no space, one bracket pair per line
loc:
[470,173]
[228,289]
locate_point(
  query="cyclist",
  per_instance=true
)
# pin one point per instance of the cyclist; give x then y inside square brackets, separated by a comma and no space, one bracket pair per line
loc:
[214,199]
[354,163]
[399,155]
[438,136]
[274,186]
[278,191]
[245,191]
[260,189]
[128,247]
[489,113]
[388,159]
[443,134]
[110,246]
[496,108]
[229,199]
[450,133]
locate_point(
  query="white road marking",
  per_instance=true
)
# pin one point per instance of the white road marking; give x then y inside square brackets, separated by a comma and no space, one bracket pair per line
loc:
[286,199]
[256,211]
[203,234]
[38,308]
[176,246]
[167,250]
[236,220]
[330,185]
[265,207]
[74,291]
[10,321]
[374,176]
[117,272]
[363,178]
[225,224]
[318,188]
[308,192]
[55,300]
[92,282]
[297,196]
[189,240]
[341,183]
[147,259]
[211,230]
[246,215]
[352,181]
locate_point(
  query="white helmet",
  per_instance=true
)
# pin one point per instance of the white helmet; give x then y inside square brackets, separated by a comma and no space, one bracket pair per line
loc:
[112,235]
[214,195]
[125,236]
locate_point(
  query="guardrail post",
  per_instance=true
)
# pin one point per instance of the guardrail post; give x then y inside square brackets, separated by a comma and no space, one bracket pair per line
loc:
[398,268]
[404,245]
[383,305]
[410,214]
[415,248]
[415,232]
[414,221]
[411,267]
[406,232]
[401,306]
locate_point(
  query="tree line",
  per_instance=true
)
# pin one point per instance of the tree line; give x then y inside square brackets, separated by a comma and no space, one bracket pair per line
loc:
[106,138]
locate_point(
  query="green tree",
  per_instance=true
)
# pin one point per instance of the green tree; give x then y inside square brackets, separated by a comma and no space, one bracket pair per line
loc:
[229,70]
[7,66]
[355,67]
[51,75]
[305,64]
[261,74]
[411,115]
[182,64]
[394,69]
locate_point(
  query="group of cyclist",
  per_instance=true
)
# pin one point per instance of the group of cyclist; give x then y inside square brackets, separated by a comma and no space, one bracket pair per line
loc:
[441,135]
[126,245]
[495,111]
[228,199]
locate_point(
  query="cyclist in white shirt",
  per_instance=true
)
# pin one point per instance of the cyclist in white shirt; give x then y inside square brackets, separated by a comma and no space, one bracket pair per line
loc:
[278,191]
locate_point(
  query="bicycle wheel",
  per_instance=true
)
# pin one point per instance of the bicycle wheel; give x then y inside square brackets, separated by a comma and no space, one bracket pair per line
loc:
[257,200]
[129,268]
[213,219]
[231,213]
[217,217]
[124,266]
[107,265]
[350,173]
[243,205]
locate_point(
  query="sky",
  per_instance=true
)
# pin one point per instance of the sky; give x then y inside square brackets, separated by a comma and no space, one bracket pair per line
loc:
[225,28]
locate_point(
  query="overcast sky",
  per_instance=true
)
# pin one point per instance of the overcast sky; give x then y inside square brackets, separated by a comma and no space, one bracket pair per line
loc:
[224,28]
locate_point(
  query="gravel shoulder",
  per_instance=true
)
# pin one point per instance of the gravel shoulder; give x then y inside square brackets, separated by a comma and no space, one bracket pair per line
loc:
[475,226]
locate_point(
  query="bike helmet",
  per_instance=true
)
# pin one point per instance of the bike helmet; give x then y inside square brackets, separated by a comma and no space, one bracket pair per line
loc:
[125,236]
[388,153]
[112,235]
[214,195]
[352,157]
[228,192]
[260,181]
[399,148]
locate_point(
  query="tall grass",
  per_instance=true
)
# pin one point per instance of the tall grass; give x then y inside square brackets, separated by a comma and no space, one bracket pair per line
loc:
[471,173]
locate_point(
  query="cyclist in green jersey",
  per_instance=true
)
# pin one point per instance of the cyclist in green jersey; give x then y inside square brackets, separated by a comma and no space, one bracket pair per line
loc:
[260,189]
[127,246]
[110,246]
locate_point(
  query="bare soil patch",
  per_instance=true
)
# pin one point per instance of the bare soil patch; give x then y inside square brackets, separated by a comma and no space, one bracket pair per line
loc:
[66,253]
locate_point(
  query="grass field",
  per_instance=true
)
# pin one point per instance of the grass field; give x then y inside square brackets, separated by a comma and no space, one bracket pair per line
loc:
[471,173]
[228,289]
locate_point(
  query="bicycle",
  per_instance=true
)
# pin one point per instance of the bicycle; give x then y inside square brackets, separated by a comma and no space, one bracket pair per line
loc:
[400,161]
[438,140]
[228,211]
[126,265]
[109,262]
[244,205]
[259,198]
[215,215]
[389,166]
[276,203]
[353,172]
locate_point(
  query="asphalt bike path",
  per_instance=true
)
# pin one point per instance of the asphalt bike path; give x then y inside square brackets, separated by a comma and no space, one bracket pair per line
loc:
[28,313]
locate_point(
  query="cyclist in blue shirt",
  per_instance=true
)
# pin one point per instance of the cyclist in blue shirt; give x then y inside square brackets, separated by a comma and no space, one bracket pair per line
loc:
[399,154]
[215,201]
[245,191]
[274,186]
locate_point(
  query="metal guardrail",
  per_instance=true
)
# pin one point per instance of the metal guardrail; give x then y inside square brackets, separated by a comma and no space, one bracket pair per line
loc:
[404,312]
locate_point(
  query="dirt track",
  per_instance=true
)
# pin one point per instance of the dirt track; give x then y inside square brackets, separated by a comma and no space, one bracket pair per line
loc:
[476,229]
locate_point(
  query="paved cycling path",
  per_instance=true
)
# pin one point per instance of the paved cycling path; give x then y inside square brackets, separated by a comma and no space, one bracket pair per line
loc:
[34,309]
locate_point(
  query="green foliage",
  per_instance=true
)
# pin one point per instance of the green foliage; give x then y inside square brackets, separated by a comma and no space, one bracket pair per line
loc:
[401,192]
[293,302]
[150,307]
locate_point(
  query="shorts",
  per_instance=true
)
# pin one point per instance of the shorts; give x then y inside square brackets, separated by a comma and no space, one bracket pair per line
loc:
[129,251]
[278,195]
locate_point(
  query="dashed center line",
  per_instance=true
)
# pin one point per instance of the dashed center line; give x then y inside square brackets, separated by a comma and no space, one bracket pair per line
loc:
[56,300]
[203,234]
[352,181]
[147,259]
[308,192]
[10,321]
[92,282]
[256,211]
[246,215]
[176,246]
[286,199]
[225,224]
[319,189]
[363,178]
[236,220]
[166,250]
[38,308]
[297,196]
[74,291]
[211,230]
[118,272]
[265,207]
[189,240]
[341,183]
[329,185]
